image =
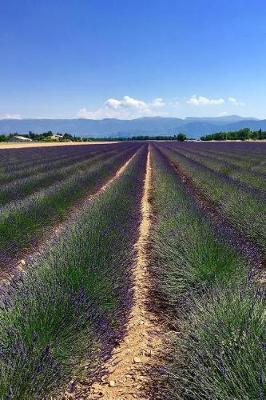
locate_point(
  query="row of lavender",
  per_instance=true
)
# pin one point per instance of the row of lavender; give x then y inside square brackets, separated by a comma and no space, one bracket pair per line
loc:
[71,304]
[25,160]
[239,166]
[203,284]
[244,151]
[38,162]
[48,183]
[242,202]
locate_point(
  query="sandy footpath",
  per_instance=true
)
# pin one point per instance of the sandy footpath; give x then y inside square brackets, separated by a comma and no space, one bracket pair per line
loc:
[15,145]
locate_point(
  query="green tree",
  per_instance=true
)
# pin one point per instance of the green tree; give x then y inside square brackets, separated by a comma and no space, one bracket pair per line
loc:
[181,137]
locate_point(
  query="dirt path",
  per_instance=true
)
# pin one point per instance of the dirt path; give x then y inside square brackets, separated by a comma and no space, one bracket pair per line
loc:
[20,264]
[128,369]
[14,145]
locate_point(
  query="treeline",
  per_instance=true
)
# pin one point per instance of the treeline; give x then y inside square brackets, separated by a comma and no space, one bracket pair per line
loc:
[241,134]
[51,137]
[46,136]
[181,137]
[66,137]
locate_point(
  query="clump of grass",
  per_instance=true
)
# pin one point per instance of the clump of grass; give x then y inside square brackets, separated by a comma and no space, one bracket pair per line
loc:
[226,170]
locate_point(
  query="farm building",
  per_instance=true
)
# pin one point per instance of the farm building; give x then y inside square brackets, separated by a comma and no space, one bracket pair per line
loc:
[56,136]
[18,138]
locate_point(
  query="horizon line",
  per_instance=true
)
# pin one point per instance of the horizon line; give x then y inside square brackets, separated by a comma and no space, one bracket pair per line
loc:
[132,119]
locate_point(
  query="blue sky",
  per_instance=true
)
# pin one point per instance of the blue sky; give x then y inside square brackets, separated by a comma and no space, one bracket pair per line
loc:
[125,59]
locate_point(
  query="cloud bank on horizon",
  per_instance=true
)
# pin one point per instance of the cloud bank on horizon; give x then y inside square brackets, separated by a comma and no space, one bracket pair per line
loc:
[129,108]
[10,116]
[125,108]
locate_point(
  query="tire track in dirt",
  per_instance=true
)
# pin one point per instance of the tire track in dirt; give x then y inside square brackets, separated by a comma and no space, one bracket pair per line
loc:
[127,374]
[20,264]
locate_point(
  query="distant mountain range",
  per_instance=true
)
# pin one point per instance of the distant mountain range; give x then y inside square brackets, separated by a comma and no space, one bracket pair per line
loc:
[109,127]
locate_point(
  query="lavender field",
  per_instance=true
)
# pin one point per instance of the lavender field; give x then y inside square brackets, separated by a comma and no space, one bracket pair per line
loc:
[133,270]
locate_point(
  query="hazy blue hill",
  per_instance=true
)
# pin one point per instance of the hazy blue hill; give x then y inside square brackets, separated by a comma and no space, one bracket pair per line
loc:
[194,127]
[252,124]
[226,119]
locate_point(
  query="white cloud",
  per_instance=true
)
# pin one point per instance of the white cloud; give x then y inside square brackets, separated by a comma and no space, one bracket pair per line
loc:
[125,108]
[113,103]
[234,101]
[158,102]
[174,102]
[10,116]
[204,101]
[128,107]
